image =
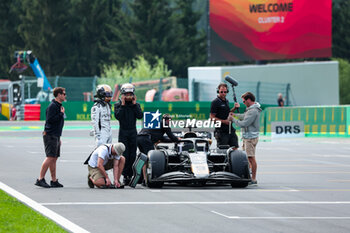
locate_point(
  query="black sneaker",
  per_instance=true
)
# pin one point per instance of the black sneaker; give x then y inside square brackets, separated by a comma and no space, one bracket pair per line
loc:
[56,184]
[42,183]
[90,183]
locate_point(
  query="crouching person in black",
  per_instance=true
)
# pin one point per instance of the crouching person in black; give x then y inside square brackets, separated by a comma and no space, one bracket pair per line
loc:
[127,111]
[147,138]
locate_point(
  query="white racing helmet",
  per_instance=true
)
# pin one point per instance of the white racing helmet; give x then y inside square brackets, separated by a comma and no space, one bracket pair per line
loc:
[127,88]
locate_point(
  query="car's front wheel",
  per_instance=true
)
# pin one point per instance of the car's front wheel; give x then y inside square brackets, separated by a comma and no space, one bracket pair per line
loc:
[155,168]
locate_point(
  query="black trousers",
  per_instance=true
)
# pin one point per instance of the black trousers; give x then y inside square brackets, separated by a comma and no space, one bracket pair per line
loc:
[128,138]
[144,143]
[224,138]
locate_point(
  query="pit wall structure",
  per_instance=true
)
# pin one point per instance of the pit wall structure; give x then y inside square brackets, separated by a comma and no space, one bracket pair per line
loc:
[319,121]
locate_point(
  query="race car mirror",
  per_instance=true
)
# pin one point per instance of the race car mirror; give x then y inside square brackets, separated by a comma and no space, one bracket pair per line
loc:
[137,169]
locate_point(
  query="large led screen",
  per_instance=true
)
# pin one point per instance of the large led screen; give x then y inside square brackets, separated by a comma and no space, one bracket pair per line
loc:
[242,30]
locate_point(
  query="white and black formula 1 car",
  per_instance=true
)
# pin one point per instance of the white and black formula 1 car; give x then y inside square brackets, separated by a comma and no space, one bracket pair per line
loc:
[191,161]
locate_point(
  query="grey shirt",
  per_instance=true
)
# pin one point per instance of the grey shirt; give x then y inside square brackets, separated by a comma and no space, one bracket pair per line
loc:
[249,121]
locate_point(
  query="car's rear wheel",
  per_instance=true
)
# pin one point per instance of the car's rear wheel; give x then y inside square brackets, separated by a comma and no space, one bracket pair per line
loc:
[155,168]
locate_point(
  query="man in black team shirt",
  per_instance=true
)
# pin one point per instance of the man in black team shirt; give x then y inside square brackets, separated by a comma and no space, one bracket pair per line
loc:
[51,135]
[127,111]
[220,110]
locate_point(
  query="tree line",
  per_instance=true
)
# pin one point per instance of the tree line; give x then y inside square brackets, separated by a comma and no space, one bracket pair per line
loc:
[341,46]
[80,37]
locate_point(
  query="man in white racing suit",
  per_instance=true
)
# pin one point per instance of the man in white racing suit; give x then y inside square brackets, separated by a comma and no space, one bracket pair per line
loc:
[101,115]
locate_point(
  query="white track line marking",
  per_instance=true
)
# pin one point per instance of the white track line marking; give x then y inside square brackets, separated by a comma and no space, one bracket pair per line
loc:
[341,181]
[324,162]
[65,223]
[304,172]
[291,189]
[69,161]
[203,203]
[304,165]
[283,217]
[247,190]
[281,160]
[330,155]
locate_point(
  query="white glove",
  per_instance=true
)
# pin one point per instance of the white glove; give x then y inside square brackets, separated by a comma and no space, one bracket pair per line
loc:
[92,133]
[98,139]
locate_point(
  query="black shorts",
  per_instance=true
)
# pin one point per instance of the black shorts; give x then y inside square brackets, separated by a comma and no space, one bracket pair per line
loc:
[52,146]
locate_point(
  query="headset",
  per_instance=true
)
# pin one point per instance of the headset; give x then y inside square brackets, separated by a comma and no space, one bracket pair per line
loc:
[222,84]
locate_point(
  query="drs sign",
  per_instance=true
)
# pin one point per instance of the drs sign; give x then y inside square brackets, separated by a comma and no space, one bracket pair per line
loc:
[283,129]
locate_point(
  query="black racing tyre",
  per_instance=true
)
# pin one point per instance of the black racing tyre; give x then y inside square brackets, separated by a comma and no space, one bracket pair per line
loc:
[239,166]
[239,184]
[155,168]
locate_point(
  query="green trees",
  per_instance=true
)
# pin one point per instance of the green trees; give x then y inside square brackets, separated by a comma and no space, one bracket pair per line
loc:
[79,37]
[341,29]
[140,69]
[192,49]
[9,39]
[43,28]
[341,46]
[344,81]
[175,37]
[142,33]
[91,23]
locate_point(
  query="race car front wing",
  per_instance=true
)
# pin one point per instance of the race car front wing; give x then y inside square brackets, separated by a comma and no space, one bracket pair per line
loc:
[222,177]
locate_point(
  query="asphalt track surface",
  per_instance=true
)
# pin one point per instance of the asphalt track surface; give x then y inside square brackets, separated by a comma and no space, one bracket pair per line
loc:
[303,186]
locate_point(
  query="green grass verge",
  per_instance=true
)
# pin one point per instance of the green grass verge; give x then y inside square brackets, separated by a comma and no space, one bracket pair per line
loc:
[17,217]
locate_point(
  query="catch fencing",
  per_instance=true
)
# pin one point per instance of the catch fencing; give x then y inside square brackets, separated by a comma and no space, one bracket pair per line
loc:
[265,92]
[75,87]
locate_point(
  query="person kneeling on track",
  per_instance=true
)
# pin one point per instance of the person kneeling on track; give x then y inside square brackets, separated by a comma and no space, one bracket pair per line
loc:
[103,158]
